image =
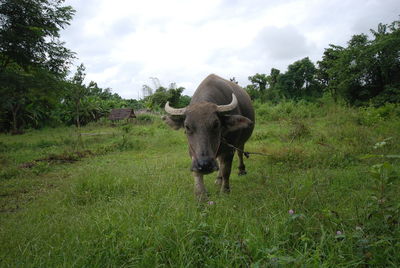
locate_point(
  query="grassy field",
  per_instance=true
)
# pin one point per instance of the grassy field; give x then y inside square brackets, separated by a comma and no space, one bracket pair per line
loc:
[326,195]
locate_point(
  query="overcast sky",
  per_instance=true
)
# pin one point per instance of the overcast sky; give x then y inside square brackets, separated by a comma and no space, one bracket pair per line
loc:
[123,43]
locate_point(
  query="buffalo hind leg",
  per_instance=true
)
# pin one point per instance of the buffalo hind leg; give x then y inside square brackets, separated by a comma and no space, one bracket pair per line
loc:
[242,167]
[218,181]
[225,171]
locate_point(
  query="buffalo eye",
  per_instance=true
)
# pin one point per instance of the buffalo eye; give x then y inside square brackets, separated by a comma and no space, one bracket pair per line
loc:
[188,129]
[215,125]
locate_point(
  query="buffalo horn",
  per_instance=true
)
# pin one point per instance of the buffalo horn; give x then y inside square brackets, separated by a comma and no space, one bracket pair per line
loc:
[174,111]
[228,107]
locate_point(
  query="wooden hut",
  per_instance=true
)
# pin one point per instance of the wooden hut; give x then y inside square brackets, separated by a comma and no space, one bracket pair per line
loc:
[122,113]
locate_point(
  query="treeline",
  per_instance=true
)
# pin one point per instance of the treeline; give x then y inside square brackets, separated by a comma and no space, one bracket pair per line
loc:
[366,71]
[36,89]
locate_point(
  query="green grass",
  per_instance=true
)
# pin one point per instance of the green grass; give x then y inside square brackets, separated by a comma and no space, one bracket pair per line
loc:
[125,198]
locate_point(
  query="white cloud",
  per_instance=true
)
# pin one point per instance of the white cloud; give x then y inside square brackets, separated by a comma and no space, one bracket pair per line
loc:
[123,43]
[284,43]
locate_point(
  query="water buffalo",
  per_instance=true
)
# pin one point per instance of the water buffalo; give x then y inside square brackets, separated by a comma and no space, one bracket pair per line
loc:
[219,115]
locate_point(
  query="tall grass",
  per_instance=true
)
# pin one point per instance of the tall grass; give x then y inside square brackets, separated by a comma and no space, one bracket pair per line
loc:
[326,195]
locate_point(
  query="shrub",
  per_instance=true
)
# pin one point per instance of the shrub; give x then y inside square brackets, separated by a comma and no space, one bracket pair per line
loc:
[145,118]
[368,116]
[9,173]
[4,147]
[45,144]
[299,130]
[287,110]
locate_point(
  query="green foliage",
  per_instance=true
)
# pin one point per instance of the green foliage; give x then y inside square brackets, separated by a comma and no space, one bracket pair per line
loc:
[32,60]
[83,104]
[29,34]
[9,173]
[145,118]
[366,69]
[370,115]
[125,143]
[259,81]
[33,68]
[157,100]
[126,198]
[287,109]
[383,209]
[365,72]
[298,83]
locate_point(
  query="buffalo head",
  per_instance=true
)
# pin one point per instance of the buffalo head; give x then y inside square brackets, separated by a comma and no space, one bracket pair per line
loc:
[205,124]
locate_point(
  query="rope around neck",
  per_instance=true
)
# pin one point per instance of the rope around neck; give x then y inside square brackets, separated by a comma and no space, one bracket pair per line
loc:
[246,154]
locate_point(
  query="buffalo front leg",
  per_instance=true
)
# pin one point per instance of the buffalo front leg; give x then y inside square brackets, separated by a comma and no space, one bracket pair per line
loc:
[218,181]
[199,188]
[225,171]
[242,167]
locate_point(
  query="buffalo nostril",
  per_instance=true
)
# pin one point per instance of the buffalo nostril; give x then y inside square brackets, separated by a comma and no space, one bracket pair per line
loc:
[204,164]
[207,165]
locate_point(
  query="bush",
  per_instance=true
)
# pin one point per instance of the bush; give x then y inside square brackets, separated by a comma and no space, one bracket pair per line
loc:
[287,110]
[145,118]
[369,116]
[9,173]
[299,130]
[4,147]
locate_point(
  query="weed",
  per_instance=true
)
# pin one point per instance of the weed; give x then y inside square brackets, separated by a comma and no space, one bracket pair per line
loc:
[382,210]
[259,136]
[4,147]
[125,143]
[291,156]
[41,167]
[102,188]
[144,131]
[145,118]
[369,116]
[45,144]
[9,173]
[299,130]
[287,110]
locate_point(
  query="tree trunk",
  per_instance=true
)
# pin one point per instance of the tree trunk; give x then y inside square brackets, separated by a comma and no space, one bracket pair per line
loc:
[78,123]
[14,111]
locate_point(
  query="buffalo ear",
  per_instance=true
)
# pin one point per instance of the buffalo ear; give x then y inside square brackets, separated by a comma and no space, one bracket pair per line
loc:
[174,121]
[235,122]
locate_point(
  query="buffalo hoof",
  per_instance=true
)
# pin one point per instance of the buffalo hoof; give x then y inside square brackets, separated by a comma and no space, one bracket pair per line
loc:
[202,198]
[225,190]
[242,172]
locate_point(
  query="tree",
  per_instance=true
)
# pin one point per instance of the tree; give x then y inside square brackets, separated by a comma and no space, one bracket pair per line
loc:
[253,91]
[86,103]
[77,92]
[272,79]
[175,94]
[366,70]
[31,53]
[260,81]
[258,86]
[386,63]
[27,97]
[29,33]
[326,70]
[161,95]
[298,82]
